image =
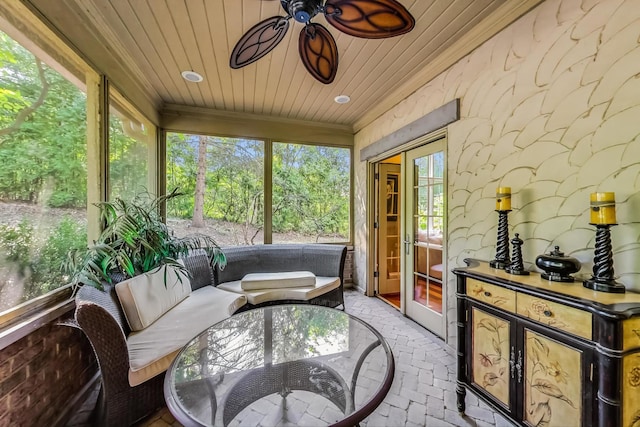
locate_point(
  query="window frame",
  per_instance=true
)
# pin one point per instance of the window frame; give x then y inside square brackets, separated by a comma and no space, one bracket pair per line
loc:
[268,175]
[20,23]
[117,101]
[24,26]
[19,320]
[269,164]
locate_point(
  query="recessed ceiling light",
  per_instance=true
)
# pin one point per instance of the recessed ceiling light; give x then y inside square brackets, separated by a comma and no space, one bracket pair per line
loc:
[192,76]
[342,99]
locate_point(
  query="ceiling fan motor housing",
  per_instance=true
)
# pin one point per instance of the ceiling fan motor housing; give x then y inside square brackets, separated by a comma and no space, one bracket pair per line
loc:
[302,10]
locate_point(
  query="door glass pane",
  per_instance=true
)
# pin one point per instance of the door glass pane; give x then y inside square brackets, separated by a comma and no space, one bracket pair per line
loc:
[437,210]
[423,201]
[428,220]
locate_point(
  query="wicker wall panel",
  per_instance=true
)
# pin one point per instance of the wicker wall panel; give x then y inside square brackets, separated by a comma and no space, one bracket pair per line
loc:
[41,374]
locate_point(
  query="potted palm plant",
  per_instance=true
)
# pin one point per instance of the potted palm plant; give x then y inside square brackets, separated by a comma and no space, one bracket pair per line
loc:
[135,240]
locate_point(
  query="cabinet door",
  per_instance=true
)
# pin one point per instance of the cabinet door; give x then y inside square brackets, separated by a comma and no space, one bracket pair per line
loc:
[553,382]
[631,390]
[490,343]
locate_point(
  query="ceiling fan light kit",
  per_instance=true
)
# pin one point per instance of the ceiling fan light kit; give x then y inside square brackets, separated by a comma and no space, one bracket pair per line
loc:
[371,19]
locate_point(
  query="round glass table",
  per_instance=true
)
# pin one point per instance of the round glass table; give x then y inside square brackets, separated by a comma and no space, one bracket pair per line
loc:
[281,365]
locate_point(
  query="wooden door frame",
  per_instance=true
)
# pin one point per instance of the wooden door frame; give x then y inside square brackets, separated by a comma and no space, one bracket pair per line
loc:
[371,199]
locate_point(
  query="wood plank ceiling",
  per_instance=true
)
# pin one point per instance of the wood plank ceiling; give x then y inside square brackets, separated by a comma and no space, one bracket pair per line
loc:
[157,39]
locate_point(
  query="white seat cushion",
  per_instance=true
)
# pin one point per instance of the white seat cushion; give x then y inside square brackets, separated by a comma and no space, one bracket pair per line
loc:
[322,286]
[288,279]
[146,297]
[152,350]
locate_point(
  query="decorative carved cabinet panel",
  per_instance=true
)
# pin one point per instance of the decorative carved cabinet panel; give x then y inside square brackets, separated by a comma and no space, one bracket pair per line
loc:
[548,353]
[552,382]
[490,354]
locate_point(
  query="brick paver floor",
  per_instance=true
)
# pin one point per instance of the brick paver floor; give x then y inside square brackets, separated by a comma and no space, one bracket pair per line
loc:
[423,389]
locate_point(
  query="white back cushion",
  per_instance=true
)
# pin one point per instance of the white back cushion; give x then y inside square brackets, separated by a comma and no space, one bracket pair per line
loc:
[152,349]
[146,297]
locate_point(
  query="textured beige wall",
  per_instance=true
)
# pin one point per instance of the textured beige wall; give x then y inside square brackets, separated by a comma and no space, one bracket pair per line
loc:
[551,108]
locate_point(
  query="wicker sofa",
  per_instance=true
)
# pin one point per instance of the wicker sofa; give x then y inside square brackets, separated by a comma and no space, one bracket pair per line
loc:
[325,262]
[132,363]
[127,394]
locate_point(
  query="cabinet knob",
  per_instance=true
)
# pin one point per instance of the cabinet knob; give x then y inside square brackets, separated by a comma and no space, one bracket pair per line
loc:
[487,293]
[547,313]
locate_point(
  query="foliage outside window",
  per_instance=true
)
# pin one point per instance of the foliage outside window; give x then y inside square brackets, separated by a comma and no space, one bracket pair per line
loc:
[43,173]
[132,142]
[224,181]
[311,193]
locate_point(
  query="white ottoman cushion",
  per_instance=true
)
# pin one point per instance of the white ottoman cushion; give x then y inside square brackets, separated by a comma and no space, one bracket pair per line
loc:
[258,296]
[289,279]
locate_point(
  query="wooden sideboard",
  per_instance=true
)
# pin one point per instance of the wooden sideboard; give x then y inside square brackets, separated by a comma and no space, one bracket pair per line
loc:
[548,353]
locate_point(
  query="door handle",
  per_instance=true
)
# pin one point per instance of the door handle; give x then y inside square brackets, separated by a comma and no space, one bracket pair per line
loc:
[406,242]
[512,362]
[519,366]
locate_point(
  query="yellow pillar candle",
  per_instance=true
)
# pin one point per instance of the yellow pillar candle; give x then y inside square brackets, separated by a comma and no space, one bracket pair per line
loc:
[603,208]
[503,199]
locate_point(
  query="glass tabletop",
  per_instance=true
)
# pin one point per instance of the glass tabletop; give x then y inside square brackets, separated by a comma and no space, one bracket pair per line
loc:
[281,365]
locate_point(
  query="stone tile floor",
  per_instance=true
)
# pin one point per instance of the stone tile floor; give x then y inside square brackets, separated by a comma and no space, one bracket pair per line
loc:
[423,389]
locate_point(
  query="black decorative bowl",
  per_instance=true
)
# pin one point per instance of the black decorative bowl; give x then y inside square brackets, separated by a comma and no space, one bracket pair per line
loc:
[558,267]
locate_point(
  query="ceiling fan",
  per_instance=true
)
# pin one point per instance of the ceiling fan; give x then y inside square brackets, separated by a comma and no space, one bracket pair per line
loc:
[370,19]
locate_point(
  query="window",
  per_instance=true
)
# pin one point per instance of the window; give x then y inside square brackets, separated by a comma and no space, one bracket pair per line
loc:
[311,193]
[43,177]
[132,142]
[226,197]
[223,182]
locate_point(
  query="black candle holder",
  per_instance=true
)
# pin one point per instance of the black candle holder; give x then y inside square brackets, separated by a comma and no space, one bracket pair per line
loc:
[517,265]
[502,260]
[603,279]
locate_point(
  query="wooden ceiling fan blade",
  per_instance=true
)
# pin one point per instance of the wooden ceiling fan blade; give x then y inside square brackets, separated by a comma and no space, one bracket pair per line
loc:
[369,19]
[261,39]
[319,52]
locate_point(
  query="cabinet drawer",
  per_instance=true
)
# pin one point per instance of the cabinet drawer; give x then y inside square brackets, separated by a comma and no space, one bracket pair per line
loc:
[559,316]
[492,294]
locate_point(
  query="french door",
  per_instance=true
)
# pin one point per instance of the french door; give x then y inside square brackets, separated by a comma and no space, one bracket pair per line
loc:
[424,234]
